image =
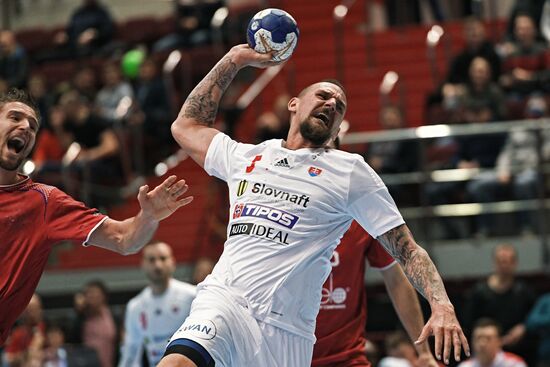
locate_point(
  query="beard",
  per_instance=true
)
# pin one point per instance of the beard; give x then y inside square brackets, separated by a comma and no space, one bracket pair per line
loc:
[313,132]
[11,166]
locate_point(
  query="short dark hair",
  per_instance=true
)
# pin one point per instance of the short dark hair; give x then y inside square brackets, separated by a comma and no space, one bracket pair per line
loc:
[487,322]
[328,80]
[335,82]
[19,95]
[96,283]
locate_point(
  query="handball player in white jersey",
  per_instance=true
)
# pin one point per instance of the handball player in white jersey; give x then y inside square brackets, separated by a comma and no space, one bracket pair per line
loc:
[290,203]
[157,311]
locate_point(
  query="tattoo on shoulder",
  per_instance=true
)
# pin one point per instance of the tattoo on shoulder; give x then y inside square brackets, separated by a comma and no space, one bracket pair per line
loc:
[202,103]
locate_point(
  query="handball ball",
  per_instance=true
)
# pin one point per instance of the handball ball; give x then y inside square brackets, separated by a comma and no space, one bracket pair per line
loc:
[273,30]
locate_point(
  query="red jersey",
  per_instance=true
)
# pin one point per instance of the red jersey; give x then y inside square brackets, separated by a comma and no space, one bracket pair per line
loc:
[343,314]
[33,217]
[21,337]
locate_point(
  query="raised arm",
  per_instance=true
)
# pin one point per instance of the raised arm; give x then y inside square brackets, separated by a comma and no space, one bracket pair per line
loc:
[130,235]
[423,275]
[405,302]
[192,128]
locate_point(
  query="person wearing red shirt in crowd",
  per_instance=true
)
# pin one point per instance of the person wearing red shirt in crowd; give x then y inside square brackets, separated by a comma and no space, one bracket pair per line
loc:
[27,339]
[34,216]
[342,317]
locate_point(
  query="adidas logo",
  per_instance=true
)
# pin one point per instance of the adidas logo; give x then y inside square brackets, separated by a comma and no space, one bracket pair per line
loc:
[282,163]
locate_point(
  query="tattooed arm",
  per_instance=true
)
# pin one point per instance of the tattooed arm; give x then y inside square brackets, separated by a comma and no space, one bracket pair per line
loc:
[423,275]
[192,128]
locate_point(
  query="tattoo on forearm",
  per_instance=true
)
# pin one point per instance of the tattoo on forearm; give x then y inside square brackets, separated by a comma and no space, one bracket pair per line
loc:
[416,263]
[202,103]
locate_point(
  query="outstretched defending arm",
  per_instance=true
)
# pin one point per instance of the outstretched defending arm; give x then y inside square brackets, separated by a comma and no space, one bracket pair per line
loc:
[192,128]
[423,275]
[130,235]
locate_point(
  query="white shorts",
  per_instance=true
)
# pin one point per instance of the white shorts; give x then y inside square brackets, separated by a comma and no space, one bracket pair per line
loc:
[232,337]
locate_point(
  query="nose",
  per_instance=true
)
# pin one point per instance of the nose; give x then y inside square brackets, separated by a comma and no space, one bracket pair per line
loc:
[331,104]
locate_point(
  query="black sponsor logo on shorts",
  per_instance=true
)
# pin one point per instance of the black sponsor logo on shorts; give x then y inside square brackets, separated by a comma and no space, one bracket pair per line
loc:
[259,231]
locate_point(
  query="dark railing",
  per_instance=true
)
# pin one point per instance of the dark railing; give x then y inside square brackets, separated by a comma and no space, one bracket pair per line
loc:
[425,212]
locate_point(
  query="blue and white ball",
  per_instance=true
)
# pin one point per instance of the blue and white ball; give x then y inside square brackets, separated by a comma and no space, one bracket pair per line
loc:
[273,30]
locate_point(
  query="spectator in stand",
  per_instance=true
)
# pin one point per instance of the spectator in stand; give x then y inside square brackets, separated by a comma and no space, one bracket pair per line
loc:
[538,321]
[525,66]
[57,354]
[95,327]
[393,156]
[154,111]
[480,101]
[483,100]
[25,343]
[90,28]
[402,353]
[274,124]
[545,22]
[14,61]
[504,299]
[534,8]
[516,168]
[116,93]
[487,346]
[193,19]
[48,152]
[85,83]
[75,122]
[372,352]
[477,45]
[43,97]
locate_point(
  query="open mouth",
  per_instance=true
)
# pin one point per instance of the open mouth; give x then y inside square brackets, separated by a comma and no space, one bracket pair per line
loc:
[323,117]
[16,144]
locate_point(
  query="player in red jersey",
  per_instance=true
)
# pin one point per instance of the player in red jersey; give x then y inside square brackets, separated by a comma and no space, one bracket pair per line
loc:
[342,317]
[33,216]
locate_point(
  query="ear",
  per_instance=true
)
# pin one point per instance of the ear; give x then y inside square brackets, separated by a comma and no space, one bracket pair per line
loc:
[292,104]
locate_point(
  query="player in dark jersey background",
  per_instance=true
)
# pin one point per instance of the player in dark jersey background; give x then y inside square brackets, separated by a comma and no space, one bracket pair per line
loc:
[342,317]
[34,216]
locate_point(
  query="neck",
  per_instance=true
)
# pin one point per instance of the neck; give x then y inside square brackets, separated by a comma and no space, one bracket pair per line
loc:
[501,282]
[160,288]
[486,361]
[295,141]
[9,177]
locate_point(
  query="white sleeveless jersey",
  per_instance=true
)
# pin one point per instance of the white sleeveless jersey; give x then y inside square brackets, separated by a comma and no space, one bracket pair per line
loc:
[151,320]
[288,211]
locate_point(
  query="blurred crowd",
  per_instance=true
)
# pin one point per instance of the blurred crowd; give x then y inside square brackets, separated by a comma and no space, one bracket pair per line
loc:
[102,98]
[506,323]
[112,97]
